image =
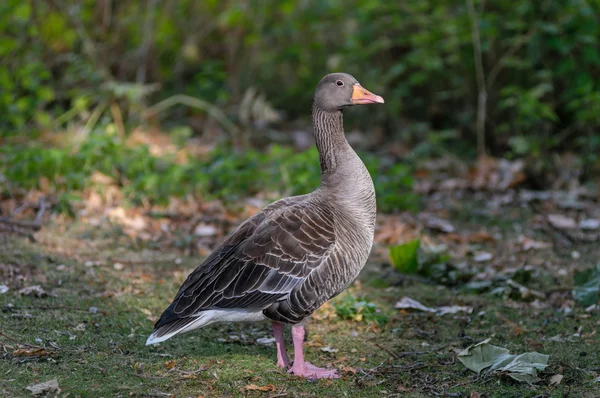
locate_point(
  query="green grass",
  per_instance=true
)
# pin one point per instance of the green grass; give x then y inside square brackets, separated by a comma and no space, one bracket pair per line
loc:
[103,354]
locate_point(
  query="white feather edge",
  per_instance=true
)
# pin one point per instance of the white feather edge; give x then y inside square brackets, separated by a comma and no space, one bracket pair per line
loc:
[208,317]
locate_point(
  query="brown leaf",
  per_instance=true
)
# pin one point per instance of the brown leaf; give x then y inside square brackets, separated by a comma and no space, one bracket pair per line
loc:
[348,369]
[475,394]
[170,364]
[254,387]
[480,237]
[31,352]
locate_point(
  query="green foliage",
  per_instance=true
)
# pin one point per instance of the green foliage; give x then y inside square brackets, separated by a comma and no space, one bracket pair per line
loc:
[587,286]
[405,257]
[359,310]
[540,59]
[224,173]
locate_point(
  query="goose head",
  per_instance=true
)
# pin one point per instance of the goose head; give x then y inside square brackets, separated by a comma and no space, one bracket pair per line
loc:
[340,90]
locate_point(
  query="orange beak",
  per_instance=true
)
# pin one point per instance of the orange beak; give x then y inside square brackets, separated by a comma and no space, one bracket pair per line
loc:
[361,95]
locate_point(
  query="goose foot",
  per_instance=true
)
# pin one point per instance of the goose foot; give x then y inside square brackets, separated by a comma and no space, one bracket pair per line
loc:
[310,371]
[302,368]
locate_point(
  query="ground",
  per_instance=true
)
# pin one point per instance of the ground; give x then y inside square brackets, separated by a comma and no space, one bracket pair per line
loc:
[102,290]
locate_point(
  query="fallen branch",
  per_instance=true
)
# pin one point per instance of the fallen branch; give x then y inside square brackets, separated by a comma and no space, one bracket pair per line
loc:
[42,307]
[35,225]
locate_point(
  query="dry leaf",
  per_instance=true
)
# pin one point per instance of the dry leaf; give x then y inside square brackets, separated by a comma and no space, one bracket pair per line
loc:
[529,244]
[254,387]
[36,291]
[170,364]
[589,224]
[482,256]
[559,221]
[42,388]
[556,379]
[31,352]
[475,394]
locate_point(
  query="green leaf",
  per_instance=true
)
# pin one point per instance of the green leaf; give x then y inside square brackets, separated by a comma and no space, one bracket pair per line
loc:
[587,286]
[405,257]
[521,367]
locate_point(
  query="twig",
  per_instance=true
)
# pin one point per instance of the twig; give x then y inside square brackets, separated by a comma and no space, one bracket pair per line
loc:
[386,350]
[18,342]
[42,307]
[408,353]
[191,373]
[16,230]
[36,226]
[509,53]
[143,376]
[135,262]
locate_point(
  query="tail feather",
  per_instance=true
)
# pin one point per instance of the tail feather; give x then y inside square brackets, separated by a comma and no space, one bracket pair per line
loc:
[166,331]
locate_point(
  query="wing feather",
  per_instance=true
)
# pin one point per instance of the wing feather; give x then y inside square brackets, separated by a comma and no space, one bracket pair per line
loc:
[260,264]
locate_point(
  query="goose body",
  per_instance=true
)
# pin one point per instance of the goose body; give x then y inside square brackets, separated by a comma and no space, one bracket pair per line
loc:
[287,260]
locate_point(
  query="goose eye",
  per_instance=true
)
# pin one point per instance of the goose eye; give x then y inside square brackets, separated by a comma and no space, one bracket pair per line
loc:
[339,83]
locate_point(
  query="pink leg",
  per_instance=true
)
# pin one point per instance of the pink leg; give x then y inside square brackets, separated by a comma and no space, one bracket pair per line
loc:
[282,358]
[302,368]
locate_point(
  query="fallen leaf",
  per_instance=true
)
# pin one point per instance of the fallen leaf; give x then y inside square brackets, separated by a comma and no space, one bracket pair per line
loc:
[170,364]
[452,309]
[205,230]
[254,387]
[3,289]
[436,223]
[329,349]
[31,352]
[559,221]
[521,367]
[482,256]
[265,341]
[529,244]
[587,286]
[589,224]
[348,369]
[42,388]
[36,291]
[480,237]
[556,379]
[409,303]
[475,394]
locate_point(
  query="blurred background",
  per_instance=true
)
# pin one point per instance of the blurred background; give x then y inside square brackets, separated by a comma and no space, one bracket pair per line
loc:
[212,98]
[136,134]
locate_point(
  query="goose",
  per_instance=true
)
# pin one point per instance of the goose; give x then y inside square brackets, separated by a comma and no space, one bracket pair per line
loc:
[283,263]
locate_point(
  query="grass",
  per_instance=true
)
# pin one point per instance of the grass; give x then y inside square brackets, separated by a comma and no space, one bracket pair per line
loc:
[102,353]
